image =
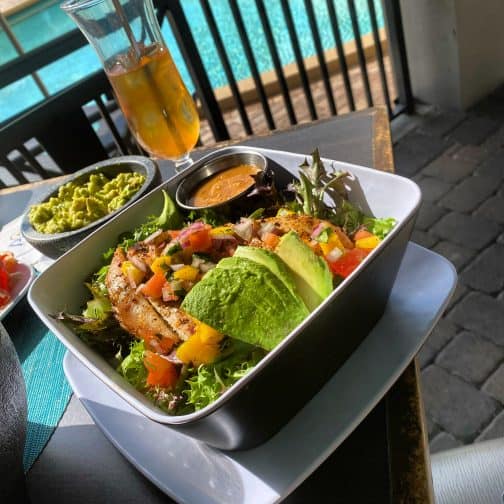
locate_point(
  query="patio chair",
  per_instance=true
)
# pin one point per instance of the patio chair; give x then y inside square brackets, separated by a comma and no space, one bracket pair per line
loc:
[471,474]
[59,135]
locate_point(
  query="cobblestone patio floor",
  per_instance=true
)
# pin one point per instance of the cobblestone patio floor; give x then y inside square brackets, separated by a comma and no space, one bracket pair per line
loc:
[458,161]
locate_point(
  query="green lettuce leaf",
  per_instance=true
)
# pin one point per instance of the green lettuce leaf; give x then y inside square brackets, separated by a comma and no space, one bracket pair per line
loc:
[379,227]
[132,367]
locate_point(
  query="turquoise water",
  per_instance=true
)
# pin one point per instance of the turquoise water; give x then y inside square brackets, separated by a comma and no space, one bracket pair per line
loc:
[45,21]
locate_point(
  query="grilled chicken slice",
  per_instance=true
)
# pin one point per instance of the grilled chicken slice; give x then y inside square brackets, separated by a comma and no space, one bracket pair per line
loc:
[177,319]
[132,310]
[303,225]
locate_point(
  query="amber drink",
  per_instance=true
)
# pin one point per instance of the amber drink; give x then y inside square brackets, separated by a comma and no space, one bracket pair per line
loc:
[157,105]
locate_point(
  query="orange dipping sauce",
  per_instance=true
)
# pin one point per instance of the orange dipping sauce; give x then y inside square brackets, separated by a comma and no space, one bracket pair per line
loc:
[224,185]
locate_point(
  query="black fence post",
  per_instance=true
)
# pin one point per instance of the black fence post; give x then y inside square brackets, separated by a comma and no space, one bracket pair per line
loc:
[397,51]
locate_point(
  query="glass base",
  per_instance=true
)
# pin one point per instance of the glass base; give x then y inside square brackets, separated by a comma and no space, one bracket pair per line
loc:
[184,162]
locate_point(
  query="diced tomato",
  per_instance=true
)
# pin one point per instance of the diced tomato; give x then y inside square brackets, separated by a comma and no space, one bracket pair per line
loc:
[154,286]
[174,233]
[200,240]
[4,279]
[270,240]
[362,233]
[8,261]
[348,262]
[161,371]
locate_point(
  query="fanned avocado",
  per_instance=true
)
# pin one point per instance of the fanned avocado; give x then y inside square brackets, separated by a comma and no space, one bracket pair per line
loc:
[310,272]
[245,300]
[271,261]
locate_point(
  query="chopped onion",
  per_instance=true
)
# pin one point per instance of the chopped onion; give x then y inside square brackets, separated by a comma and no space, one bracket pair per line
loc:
[334,254]
[206,266]
[266,227]
[222,236]
[168,294]
[137,262]
[172,357]
[185,233]
[197,261]
[153,236]
[176,267]
[318,229]
[244,229]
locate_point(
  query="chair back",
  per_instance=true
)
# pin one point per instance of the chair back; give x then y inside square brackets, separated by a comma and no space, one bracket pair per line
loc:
[59,135]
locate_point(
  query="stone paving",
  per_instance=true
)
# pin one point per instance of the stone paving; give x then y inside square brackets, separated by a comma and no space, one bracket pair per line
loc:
[458,161]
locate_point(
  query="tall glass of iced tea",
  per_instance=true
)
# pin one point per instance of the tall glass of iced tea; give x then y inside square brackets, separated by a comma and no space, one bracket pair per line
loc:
[126,36]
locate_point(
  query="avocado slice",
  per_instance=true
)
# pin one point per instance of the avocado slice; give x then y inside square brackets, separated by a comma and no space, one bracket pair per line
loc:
[310,272]
[271,261]
[245,300]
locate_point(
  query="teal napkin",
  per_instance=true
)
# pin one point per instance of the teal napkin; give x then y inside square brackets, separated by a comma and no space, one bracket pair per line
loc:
[48,392]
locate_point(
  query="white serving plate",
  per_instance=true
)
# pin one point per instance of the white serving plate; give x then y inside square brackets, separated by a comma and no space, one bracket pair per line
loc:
[190,471]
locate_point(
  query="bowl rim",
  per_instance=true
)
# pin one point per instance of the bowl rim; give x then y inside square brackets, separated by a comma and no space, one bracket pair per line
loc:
[29,232]
[208,162]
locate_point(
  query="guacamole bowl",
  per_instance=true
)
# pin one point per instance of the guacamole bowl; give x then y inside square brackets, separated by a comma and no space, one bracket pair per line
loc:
[53,244]
[260,403]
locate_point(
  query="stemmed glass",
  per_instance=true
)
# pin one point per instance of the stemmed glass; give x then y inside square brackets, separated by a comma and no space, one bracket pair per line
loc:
[126,36]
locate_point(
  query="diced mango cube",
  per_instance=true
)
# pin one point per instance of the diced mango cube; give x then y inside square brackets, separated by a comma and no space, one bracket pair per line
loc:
[368,243]
[161,264]
[132,273]
[186,273]
[195,351]
[333,242]
[208,334]
[221,230]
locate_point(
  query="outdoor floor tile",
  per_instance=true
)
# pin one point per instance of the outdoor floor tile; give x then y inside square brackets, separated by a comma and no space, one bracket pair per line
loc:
[415,150]
[493,209]
[474,153]
[442,334]
[424,239]
[465,230]
[426,355]
[456,406]
[493,166]
[494,431]
[470,356]
[470,193]
[474,130]
[428,215]
[481,314]
[449,169]
[460,291]
[486,272]
[441,124]
[495,384]
[444,441]
[432,188]
[456,254]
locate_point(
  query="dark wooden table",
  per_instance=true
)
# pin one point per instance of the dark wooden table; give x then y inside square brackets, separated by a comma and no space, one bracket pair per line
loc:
[386,459]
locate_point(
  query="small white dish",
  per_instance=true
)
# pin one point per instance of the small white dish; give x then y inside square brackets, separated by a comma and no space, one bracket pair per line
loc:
[24,277]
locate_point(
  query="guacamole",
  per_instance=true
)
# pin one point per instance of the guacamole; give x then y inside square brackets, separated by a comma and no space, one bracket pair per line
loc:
[77,205]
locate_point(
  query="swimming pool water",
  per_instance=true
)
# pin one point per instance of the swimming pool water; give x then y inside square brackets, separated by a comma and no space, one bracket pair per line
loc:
[45,21]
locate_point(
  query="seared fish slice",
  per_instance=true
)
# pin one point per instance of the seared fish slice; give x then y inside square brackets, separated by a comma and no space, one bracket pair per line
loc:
[303,225]
[132,310]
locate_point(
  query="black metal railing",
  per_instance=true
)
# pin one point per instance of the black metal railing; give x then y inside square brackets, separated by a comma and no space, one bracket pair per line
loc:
[347,70]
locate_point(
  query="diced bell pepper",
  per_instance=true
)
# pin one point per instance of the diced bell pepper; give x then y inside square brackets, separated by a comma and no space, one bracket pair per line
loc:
[222,230]
[161,264]
[334,241]
[132,273]
[369,242]
[196,351]
[186,273]
[162,372]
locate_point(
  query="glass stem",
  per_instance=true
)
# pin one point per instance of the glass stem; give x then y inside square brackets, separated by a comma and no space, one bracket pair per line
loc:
[182,163]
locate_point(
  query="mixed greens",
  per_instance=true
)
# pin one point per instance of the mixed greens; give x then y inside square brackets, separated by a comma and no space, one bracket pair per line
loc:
[225,293]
